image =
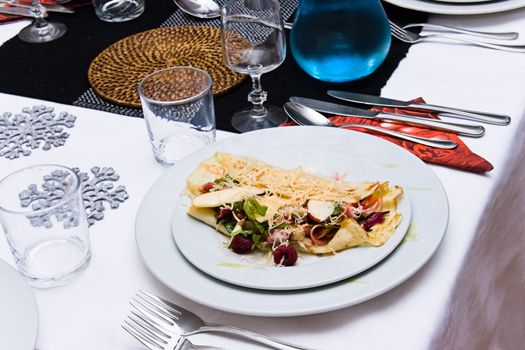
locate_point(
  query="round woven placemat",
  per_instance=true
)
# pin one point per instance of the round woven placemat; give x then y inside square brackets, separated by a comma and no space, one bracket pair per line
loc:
[115,73]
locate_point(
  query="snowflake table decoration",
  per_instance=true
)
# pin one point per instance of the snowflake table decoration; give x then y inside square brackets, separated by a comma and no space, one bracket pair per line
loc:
[55,186]
[23,132]
[99,190]
[95,192]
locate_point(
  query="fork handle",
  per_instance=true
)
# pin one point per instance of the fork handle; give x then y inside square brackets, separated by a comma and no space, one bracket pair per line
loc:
[262,339]
[490,35]
[509,48]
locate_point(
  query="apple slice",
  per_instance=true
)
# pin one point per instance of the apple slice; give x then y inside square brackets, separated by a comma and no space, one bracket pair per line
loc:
[230,195]
[320,210]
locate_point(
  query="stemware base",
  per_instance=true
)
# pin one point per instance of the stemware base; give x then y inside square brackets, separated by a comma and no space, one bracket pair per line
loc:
[244,120]
[41,34]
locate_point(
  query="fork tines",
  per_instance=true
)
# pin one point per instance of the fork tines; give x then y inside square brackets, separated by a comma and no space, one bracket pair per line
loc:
[172,308]
[146,307]
[397,31]
[148,335]
[145,324]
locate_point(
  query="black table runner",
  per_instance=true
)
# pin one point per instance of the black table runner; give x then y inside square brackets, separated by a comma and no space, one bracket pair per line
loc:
[57,71]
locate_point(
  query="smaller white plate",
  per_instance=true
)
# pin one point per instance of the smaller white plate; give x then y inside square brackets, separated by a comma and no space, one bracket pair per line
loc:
[207,249]
[18,311]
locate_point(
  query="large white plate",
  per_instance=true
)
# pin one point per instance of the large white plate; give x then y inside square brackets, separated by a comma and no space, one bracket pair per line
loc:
[429,221]
[18,311]
[459,9]
[207,249]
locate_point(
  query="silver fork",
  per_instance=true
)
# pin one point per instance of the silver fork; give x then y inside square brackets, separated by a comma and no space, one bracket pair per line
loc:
[154,337]
[412,38]
[443,28]
[186,323]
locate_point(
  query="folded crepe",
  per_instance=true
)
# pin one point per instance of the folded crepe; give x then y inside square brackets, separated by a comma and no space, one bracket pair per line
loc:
[242,195]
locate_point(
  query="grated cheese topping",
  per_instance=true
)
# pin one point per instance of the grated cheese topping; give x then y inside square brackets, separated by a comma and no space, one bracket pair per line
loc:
[295,185]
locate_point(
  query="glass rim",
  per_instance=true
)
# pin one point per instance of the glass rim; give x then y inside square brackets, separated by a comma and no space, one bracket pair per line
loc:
[177,102]
[274,12]
[68,195]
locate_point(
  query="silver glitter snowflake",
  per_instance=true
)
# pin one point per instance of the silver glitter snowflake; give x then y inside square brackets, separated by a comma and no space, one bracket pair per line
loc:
[55,186]
[99,190]
[21,133]
[95,192]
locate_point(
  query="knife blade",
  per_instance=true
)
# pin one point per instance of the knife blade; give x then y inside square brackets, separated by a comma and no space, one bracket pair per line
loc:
[483,117]
[19,11]
[49,7]
[334,108]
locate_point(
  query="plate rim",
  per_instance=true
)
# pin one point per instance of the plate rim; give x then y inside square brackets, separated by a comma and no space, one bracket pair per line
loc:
[288,273]
[303,308]
[461,2]
[30,302]
[445,8]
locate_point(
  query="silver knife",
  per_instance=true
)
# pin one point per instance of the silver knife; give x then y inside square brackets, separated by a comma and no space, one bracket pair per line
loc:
[49,7]
[334,108]
[490,118]
[19,11]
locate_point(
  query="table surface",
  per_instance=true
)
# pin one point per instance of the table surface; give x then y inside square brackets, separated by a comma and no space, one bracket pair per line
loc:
[50,74]
[86,313]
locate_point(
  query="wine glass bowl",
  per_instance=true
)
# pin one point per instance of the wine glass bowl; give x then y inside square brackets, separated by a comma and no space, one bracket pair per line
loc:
[41,31]
[253,43]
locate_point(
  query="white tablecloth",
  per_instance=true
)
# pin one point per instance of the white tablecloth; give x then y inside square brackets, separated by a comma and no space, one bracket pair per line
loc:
[87,313]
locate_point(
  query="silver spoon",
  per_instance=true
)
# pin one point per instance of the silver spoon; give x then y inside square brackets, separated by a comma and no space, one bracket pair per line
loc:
[199,8]
[303,115]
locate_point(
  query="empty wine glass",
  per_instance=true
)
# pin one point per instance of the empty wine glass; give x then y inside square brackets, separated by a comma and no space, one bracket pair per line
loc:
[253,43]
[41,31]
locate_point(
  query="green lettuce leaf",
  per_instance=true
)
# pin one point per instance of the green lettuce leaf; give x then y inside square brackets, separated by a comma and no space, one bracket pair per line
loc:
[252,207]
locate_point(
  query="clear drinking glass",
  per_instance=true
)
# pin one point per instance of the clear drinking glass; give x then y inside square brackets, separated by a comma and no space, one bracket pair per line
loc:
[41,31]
[178,109]
[254,43]
[44,220]
[118,10]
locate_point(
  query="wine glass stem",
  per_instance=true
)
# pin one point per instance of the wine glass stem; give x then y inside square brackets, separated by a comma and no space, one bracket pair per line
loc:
[257,97]
[38,9]
[40,13]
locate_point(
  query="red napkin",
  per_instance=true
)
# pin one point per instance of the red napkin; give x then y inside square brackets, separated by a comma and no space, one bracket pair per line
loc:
[460,158]
[7,18]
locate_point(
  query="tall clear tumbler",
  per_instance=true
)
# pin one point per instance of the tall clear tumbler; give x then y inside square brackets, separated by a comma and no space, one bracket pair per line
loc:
[43,217]
[178,109]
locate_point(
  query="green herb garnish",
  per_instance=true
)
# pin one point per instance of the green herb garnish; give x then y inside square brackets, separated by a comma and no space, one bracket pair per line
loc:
[229,226]
[252,208]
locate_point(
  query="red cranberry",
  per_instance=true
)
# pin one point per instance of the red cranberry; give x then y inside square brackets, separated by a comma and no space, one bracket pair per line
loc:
[241,244]
[224,212]
[286,253]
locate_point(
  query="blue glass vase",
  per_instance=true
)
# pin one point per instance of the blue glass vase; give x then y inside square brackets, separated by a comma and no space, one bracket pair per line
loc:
[340,40]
